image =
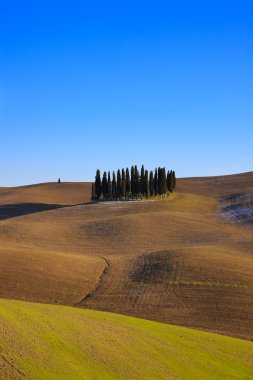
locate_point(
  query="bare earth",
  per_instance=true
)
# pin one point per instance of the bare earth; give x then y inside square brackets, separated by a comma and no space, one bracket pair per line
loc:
[177,260]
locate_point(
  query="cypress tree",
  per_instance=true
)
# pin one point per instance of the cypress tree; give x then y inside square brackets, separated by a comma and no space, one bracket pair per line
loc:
[156,183]
[151,183]
[114,185]
[164,181]
[174,179]
[109,186]
[132,181]
[168,180]
[142,181]
[104,186]
[146,183]
[128,183]
[119,185]
[136,180]
[171,182]
[159,181]
[98,185]
[123,182]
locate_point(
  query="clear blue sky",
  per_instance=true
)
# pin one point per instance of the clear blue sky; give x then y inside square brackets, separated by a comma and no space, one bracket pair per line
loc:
[108,84]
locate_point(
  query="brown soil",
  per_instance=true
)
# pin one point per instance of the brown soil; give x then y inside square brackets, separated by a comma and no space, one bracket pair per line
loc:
[174,260]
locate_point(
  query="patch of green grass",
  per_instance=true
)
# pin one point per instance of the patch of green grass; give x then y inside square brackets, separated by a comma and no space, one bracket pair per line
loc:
[55,342]
[210,284]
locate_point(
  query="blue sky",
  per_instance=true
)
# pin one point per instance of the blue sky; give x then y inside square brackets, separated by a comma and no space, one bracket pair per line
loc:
[108,84]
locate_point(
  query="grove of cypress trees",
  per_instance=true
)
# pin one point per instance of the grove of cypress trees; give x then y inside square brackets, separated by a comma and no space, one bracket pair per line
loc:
[123,184]
[98,185]
[146,183]
[151,183]
[156,183]
[114,185]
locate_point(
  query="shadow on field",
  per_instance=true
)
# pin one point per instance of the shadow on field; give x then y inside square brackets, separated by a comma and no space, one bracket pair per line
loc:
[12,210]
[18,209]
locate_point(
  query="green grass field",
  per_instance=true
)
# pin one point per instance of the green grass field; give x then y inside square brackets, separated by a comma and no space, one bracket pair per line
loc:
[56,342]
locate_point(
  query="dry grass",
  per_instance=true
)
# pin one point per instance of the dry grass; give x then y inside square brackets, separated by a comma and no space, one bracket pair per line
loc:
[47,193]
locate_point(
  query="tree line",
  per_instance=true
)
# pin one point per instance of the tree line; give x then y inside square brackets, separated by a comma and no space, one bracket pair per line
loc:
[125,184]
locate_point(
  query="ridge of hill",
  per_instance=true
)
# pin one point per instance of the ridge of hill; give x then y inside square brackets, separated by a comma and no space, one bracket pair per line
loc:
[71,193]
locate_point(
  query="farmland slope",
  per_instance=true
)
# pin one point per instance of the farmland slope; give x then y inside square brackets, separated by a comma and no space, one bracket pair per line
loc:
[176,260]
[56,342]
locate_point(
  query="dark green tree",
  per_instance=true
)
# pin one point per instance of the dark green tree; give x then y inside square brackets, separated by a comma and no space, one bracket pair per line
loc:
[119,184]
[128,183]
[151,183]
[174,179]
[114,185]
[136,180]
[156,183]
[164,181]
[104,186]
[98,185]
[146,183]
[109,186]
[142,181]
[123,183]
[171,182]
[132,181]
[159,181]
[168,180]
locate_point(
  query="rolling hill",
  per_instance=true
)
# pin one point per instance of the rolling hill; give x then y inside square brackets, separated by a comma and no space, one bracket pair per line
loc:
[56,342]
[176,260]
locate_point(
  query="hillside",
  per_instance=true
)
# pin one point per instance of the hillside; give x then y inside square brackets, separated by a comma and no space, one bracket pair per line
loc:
[52,193]
[53,342]
[175,261]
[217,186]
